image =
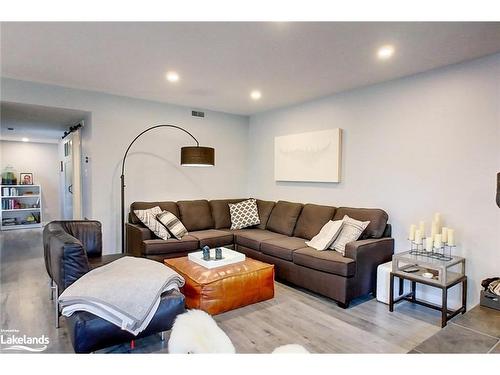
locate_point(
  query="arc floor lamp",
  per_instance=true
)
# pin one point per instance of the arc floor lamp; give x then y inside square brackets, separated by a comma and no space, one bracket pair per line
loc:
[194,156]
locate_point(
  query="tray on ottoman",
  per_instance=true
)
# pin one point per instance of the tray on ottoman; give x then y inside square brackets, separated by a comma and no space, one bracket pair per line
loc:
[224,288]
[228,257]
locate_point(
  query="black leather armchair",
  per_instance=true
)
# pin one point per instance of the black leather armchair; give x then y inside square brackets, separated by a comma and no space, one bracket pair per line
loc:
[73,248]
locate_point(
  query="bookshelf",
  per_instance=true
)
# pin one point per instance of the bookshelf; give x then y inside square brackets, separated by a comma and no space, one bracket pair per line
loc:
[21,207]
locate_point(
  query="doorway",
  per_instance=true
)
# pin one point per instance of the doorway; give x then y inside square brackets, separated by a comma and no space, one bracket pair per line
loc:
[46,144]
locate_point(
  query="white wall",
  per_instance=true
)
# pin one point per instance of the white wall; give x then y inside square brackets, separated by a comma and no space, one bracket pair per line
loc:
[152,171]
[412,146]
[42,160]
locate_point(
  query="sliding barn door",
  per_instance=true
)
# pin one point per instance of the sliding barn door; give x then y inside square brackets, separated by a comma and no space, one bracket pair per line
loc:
[71,181]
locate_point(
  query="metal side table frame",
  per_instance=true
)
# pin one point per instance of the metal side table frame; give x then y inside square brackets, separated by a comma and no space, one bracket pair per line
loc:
[444,279]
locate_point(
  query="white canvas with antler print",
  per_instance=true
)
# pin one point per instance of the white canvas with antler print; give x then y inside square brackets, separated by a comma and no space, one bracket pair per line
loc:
[308,157]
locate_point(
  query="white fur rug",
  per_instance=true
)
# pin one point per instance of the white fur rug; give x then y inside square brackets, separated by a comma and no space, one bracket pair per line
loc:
[196,332]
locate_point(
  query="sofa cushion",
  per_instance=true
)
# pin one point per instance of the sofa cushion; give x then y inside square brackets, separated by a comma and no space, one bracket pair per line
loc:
[264,208]
[252,238]
[213,237]
[312,218]
[158,247]
[327,261]
[220,212]
[282,247]
[377,218]
[196,215]
[165,206]
[283,217]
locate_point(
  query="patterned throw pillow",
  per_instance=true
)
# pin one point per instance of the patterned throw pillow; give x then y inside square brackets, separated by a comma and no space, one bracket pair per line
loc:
[148,218]
[351,230]
[244,214]
[172,223]
[326,235]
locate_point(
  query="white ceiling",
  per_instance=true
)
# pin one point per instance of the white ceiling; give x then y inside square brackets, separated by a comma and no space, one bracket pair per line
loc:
[35,122]
[219,63]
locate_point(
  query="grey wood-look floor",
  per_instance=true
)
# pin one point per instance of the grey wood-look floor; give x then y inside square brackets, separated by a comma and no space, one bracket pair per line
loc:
[293,316]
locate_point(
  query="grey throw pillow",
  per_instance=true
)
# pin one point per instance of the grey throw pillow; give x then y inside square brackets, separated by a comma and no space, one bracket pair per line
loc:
[326,235]
[351,231]
[148,218]
[172,223]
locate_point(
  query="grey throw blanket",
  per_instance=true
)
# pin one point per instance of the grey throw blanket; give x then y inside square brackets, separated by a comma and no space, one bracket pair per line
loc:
[125,292]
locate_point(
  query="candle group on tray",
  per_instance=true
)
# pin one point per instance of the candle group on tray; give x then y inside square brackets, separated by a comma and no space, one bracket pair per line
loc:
[439,235]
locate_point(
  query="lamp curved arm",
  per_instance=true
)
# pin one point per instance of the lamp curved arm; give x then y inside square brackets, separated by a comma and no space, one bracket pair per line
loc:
[147,130]
[122,177]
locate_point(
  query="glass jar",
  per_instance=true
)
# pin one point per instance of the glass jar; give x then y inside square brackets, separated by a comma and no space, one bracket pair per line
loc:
[9,176]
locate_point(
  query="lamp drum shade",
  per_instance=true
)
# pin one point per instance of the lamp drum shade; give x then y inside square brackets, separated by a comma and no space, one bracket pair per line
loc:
[197,156]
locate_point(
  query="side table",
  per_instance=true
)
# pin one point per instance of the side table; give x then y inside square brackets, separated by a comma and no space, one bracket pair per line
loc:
[443,278]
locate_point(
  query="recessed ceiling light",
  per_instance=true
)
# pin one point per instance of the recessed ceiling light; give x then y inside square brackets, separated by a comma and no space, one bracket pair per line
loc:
[256,95]
[385,52]
[172,76]
[25,139]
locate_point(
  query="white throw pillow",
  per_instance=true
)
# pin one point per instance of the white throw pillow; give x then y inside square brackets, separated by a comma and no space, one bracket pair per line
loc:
[244,214]
[148,218]
[326,235]
[351,230]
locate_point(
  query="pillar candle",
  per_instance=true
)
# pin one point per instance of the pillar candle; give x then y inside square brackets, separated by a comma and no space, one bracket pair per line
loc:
[422,228]
[437,241]
[437,217]
[429,242]
[437,220]
[418,237]
[413,228]
[434,229]
[451,237]
[444,235]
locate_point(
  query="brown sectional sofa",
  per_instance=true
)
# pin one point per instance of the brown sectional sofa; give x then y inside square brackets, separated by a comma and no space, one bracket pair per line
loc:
[279,239]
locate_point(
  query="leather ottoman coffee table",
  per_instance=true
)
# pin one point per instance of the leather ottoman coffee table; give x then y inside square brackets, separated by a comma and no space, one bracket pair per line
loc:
[224,288]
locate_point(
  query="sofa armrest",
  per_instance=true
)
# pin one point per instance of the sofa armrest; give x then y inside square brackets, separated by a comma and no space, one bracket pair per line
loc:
[368,254]
[375,249]
[135,235]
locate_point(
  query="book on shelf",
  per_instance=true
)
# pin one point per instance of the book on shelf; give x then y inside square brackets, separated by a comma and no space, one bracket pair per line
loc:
[10,204]
[9,192]
[20,191]
[9,221]
[14,204]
